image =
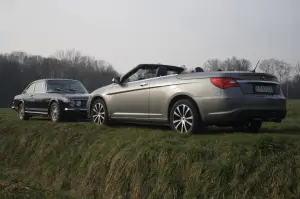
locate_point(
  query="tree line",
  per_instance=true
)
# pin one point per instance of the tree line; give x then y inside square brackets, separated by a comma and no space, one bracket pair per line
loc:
[18,69]
[287,74]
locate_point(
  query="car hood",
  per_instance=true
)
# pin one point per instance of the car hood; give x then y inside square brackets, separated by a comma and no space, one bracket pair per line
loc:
[18,96]
[101,90]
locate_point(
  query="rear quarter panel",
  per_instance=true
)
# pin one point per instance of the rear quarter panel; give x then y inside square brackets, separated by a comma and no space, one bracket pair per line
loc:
[163,90]
[211,99]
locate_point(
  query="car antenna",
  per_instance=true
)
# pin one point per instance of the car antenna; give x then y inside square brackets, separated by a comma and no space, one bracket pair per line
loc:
[255,67]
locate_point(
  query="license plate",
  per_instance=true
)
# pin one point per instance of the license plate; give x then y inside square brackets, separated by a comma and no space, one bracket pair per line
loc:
[263,89]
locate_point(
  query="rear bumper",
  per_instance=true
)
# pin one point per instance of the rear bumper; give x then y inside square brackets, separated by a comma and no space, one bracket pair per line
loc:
[242,116]
[231,110]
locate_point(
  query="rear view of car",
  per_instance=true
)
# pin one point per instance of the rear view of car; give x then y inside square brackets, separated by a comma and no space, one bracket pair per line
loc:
[248,97]
[188,101]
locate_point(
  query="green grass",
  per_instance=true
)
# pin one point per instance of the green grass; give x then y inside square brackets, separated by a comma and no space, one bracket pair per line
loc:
[12,187]
[40,159]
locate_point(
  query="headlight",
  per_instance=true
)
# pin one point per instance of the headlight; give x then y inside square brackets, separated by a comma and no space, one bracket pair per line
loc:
[69,101]
[78,103]
[66,100]
[72,103]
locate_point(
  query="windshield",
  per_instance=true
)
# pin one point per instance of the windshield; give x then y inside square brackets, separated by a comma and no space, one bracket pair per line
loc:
[71,86]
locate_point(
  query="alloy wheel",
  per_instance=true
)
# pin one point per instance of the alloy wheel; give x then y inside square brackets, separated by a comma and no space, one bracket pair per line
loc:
[183,118]
[55,113]
[21,112]
[98,113]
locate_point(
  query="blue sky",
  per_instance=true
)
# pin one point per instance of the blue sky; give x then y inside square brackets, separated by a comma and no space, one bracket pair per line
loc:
[128,32]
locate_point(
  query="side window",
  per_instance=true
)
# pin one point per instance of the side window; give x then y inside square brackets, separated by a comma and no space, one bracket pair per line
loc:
[171,72]
[141,74]
[40,87]
[30,89]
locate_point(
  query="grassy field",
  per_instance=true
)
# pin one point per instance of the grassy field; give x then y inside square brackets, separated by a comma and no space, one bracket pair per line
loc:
[40,159]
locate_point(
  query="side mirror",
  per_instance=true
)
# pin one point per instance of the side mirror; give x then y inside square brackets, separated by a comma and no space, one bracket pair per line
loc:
[116,80]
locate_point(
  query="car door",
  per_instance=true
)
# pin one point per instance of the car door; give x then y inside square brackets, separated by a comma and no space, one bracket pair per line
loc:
[130,100]
[28,95]
[40,101]
[160,92]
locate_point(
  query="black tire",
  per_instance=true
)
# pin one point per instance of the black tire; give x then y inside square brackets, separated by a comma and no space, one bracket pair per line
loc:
[239,128]
[99,112]
[21,112]
[55,113]
[183,123]
[254,126]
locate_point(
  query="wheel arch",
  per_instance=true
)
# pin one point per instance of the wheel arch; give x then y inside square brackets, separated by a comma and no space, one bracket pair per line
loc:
[96,97]
[50,103]
[20,102]
[181,97]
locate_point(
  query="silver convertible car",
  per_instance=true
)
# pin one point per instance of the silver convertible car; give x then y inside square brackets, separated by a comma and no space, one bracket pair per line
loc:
[188,101]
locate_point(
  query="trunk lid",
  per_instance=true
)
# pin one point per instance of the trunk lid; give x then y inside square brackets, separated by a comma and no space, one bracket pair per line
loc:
[256,83]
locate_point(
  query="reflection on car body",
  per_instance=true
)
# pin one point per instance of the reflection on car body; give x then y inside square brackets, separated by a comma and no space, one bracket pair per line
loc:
[189,101]
[56,98]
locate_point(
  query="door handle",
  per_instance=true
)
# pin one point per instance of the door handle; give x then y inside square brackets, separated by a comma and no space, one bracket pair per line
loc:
[144,84]
[31,95]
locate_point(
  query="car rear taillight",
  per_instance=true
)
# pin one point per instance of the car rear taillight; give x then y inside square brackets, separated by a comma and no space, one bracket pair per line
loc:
[223,82]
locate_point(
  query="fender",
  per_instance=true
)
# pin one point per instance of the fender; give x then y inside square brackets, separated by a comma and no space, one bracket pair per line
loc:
[16,104]
[51,101]
[91,99]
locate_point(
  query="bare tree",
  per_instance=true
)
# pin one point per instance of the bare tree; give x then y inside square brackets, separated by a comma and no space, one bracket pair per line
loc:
[18,69]
[230,64]
[283,70]
[269,66]
[212,65]
[297,68]
[245,65]
[276,67]
[70,55]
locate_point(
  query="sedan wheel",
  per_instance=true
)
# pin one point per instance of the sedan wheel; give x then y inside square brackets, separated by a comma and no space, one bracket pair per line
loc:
[254,126]
[185,118]
[55,112]
[99,112]
[21,112]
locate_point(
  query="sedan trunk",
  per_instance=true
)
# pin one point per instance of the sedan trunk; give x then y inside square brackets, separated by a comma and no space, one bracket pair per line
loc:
[256,83]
